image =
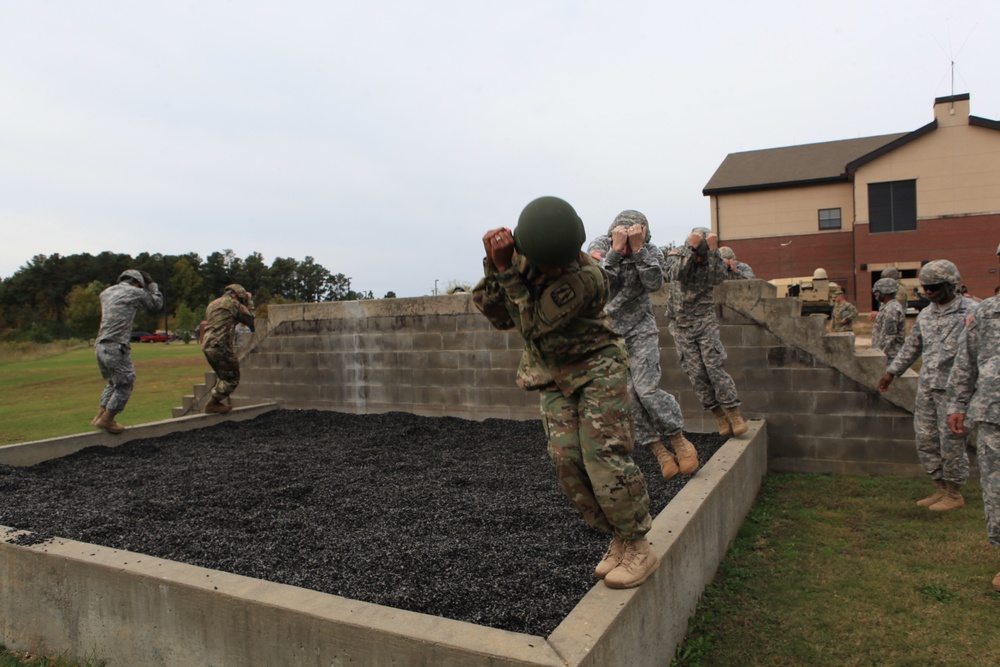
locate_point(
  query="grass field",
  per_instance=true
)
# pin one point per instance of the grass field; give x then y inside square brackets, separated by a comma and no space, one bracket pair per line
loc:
[49,391]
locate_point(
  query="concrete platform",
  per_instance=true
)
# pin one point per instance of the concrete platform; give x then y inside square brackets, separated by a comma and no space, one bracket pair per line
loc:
[131,609]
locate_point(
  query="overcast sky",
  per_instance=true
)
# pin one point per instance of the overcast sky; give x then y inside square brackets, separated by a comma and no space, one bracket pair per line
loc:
[384,138]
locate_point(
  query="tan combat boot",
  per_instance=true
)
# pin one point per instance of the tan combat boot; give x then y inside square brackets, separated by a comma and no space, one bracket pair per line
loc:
[687,455]
[996,583]
[952,499]
[934,497]
[612,557]
[736,419]
[725,428]
[637,563]
[668,465]
[100,413]
[107,422]
[215,405]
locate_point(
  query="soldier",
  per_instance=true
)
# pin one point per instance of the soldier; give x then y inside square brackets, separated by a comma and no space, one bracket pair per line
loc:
[693,274]
[221,317]
[735,269]
[889,330]
[844,312]
[974,397]
[935,337]
[554,296]
[634,268]
[119,303]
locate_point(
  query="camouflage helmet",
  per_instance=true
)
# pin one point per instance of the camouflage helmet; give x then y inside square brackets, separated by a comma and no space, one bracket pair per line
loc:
[130,275]
[704,231]
[726,252]
[835,289]
[629,218]
[885,286]
[549,233]
[939,271]
[891,272]
[238,292]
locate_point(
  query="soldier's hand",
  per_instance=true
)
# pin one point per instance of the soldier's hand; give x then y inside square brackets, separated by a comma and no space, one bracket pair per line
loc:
[500,247]
[872,315]
[956,422]
[695,240]
[146,278]
[713,241]
[731,263]
[619,239]
[883,384]
[636,237]
[489,241]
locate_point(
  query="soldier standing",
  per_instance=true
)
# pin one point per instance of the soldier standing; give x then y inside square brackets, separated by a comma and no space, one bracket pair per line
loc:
[221,317]
[635,270]
[844,312]
[735,269]
[693,274]
[935,337]
[119,303]
[974,397]
[889,330]
[554,296]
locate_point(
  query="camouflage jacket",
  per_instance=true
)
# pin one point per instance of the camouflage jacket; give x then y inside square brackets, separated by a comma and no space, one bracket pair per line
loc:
[889,329]
[119,304]
[568,339]
[221,318]
[842,318]
[742,272]
[974,382]
[690,298]
[934,336]
[631,279]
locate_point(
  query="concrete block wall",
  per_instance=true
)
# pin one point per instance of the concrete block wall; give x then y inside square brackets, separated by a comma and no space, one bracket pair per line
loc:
[439,356]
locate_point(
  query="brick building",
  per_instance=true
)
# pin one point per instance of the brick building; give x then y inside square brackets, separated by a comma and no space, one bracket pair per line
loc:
[858,206]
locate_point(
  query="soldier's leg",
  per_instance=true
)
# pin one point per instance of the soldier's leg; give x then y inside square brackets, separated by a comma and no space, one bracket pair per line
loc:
[656,404]
[954,458]
[689,359]
[988,458]
[227,371]
[115,362]
[605,438]
[713,355]
[925,426]
[561,418]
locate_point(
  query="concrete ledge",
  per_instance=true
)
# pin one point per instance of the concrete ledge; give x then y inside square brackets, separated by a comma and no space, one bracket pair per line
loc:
[128,609]
[36,451]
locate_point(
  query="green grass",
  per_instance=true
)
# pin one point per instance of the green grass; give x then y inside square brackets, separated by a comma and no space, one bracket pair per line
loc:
[847,570]
[20,659]
[51,391]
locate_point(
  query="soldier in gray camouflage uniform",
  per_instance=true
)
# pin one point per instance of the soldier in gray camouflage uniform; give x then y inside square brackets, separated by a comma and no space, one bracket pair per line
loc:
[554,296]
[119,303]
[934,336]
[693,274]
[974,397]
[221,318]
[635,270]
[889,330]
[735,269]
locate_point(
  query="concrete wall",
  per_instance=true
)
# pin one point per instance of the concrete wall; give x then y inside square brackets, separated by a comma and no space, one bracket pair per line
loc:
[439,356]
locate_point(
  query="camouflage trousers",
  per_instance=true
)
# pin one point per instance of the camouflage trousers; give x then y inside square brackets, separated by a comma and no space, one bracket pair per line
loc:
[703,359]
[656,413]
[941,452]
[115,362]
[988,457]
[590,442]
[227,370]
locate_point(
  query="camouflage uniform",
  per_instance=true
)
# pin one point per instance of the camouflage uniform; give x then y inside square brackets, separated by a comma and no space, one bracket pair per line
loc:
[974,390]
[742,270]
[580,366]
[221,318]
[632,279]
[119,304]
[935,337]
[695,328]
[843,316]
[889,329]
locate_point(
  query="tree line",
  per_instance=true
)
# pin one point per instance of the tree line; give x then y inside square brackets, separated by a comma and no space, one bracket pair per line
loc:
[55,296]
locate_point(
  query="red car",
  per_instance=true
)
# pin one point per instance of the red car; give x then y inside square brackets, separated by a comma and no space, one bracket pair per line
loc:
[153,338]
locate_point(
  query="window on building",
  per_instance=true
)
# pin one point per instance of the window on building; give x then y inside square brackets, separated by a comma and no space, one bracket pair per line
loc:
[892,206]
[829,218]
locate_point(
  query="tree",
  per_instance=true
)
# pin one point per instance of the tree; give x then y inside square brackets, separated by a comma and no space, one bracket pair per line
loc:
[315,282]
[186,286]
[83,309]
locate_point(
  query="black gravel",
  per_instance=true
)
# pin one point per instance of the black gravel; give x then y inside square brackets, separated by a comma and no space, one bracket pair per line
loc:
[449,517]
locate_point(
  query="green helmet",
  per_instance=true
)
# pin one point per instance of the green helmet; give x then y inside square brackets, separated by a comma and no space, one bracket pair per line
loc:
[549,233]
[238,292]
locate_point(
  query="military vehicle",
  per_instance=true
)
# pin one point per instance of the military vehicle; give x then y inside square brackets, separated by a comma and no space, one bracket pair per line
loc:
[813,291]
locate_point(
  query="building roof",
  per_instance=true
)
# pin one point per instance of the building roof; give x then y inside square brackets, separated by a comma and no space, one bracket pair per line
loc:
[808,164]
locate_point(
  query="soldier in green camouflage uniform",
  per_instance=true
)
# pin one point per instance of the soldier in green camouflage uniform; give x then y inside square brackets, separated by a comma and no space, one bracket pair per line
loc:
[222,315]
[119,303]
[844,312]
[554,296]
[974,398]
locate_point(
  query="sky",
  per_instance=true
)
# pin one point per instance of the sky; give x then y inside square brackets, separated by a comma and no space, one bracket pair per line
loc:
[384,138]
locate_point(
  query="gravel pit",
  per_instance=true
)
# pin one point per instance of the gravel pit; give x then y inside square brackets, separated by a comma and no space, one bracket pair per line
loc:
[444,516]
